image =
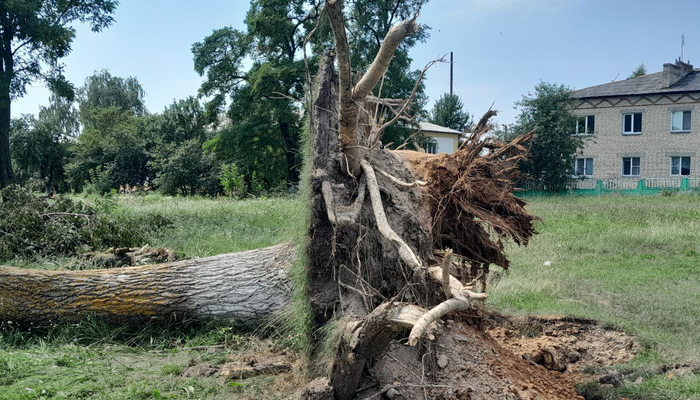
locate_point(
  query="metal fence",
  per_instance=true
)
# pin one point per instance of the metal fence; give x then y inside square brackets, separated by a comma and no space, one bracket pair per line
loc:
[597,187]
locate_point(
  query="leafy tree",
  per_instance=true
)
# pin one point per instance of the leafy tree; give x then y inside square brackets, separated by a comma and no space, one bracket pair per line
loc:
[554,149]
[40,145]
[113,148]
[265,92]
[102,90]
[265,119]
[183,168]
[178,160]
[34,36]
[449,111]
[639,71]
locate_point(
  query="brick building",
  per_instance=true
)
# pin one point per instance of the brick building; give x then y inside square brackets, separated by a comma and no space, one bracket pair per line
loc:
[643,127]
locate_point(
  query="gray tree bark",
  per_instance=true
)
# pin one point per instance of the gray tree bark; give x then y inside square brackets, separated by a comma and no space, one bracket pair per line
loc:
[247,287]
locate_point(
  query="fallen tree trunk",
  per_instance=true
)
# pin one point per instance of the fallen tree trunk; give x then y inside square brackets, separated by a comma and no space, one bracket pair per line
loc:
[247,287]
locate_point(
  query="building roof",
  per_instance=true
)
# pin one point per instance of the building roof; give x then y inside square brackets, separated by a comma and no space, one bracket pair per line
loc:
[428,127]
[645,84]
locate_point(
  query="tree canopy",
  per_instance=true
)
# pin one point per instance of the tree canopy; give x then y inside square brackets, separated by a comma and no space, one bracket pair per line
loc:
[449,111]
[34,36]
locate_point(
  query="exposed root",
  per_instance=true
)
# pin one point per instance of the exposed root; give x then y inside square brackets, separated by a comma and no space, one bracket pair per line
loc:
[447,306]
[458,298]
[342,215]
[399,182]
[407,255]
[470,196]
[446,264]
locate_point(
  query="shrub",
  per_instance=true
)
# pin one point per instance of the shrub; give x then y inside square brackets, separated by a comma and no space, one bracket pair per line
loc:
[232,181]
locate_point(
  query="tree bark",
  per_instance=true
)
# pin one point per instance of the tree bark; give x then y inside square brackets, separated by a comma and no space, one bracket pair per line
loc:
[247,287]
[6,75]
[290,153]
[6,174]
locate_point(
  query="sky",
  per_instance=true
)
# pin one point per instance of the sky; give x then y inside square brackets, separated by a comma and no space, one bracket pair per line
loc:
[502,48]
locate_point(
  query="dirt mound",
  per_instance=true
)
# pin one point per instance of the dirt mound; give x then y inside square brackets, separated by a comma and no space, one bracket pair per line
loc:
[464,364]
[512,359]
[565,344]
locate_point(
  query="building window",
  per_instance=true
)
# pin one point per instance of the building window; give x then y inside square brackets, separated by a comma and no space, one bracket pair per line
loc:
[632,124]
[431,147]
[585,125]
[680,165]
[680,121]
[583,167]
[631,166]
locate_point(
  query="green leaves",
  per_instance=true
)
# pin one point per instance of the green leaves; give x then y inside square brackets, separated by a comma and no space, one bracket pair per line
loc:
[554,149]
[220,57]
[449,111]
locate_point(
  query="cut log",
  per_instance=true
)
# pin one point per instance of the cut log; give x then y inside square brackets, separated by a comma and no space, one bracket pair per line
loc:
[246,287]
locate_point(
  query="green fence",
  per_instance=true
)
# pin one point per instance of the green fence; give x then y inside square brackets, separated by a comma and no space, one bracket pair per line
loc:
[598,187]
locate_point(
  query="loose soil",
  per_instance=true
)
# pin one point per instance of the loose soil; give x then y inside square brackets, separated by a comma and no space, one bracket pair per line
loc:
[512,359]
[565,344]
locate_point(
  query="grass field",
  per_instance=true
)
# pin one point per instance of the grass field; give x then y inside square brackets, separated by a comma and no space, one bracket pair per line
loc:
[629,261]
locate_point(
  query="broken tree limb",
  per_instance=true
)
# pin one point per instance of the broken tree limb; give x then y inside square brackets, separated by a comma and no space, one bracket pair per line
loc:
[247,287]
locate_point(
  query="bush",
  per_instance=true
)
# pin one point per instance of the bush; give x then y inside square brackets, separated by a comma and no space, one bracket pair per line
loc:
[32,226]
[232,181]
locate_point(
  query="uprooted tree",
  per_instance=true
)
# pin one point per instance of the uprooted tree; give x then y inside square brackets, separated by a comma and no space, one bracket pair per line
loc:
[397,239]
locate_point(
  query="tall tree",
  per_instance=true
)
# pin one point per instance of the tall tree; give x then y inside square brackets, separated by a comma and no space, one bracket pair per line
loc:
[449,111]
[40,145]
[112,149]
[273,40]
[177,158]
[103,90]
[34,36]
[554,149]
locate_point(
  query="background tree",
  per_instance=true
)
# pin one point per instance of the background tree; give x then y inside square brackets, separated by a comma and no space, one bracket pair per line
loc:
[40,145]
[639,71]
[449,111]
[178,160]
[267,92]
[112,149]
[34,36]
[554,149]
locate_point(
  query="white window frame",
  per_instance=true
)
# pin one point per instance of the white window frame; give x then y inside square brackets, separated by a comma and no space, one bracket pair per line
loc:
[680,166]
[682,112]
[632,174]
[585,164]
[585,132]
[632,114]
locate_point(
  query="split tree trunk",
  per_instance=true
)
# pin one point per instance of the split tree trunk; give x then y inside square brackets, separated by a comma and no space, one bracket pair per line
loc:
[247,287]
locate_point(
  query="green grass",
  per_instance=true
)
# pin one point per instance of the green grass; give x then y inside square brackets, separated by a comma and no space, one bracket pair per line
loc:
[205,227]
[630,261]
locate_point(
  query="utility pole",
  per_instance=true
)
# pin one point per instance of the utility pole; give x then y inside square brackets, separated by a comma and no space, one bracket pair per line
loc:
[451,72]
